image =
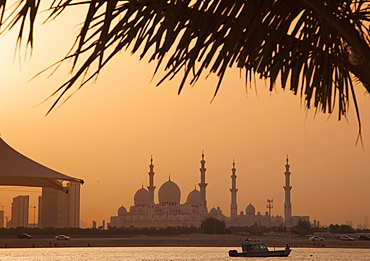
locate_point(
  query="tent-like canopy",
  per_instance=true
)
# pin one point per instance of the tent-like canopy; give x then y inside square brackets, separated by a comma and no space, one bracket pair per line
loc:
[18,170]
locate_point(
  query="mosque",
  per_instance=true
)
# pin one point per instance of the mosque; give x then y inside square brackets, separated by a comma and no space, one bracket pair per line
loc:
[169,212]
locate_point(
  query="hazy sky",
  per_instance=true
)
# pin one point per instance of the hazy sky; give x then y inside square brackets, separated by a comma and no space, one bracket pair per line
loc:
[107,131]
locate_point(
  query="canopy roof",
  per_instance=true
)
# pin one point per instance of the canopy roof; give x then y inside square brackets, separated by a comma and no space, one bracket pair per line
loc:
[18,170]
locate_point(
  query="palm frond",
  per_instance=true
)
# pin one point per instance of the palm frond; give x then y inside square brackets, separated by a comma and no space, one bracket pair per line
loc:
[20,12]
[312,47]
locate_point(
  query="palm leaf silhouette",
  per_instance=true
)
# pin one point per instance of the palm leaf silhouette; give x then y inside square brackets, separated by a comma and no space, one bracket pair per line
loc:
[316,49]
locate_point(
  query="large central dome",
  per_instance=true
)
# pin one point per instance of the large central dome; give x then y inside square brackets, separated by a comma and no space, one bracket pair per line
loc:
[169,193]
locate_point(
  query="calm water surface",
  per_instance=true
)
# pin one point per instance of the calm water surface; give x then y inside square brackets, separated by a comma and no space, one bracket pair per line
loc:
[172,253]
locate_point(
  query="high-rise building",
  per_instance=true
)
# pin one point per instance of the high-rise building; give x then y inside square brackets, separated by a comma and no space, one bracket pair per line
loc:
[366,223]
[52,208]
[60,209]
[1,218]
[20,207]
[349,223]
[73,207]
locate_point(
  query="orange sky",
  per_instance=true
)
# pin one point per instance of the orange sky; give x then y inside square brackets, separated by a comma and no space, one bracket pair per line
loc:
[107,132]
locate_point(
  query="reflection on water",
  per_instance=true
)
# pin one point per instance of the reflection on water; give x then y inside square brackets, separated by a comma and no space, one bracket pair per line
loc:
[172,253]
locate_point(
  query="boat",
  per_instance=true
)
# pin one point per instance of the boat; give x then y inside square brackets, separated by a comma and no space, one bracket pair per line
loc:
[258,249]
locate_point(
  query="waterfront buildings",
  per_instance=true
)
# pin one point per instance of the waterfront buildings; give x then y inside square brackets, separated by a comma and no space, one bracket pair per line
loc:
[20,206]
[58,208]
[2,218]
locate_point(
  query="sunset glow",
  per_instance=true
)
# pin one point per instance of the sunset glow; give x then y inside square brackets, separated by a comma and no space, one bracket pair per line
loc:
[108,130]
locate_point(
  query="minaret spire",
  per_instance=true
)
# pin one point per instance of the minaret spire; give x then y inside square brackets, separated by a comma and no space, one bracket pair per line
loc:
[202,187]
[287,188]
[151,186]
[233,190]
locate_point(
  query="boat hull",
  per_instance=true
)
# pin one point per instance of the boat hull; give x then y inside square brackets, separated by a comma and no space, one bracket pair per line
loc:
[277,253]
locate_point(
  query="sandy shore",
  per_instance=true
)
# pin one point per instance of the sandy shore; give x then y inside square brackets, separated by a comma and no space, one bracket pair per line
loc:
[192,240]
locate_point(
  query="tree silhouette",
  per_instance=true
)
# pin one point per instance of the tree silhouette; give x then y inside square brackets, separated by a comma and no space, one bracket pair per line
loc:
[341,229]
[316,49]
[303,228]
[213,225]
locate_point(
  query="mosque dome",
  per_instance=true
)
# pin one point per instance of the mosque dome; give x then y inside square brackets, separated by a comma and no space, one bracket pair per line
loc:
[194,197]
[168,193]
[213,212]
[186,208]
[122,211]
[278,219]
[250,210]
[141,197]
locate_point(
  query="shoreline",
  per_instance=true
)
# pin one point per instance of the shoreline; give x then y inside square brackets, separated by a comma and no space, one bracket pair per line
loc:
[184,240]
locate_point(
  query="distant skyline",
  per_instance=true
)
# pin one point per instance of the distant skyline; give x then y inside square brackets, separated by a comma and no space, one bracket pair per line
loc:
[107,131]
[242,203]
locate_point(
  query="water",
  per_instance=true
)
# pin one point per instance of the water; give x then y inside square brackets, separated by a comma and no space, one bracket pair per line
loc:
[173,254]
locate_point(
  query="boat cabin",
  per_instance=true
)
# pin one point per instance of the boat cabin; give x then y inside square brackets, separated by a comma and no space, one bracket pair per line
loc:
[254,247]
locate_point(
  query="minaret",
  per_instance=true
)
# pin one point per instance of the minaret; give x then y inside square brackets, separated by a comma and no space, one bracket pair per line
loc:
[202,187]
[233,190]
[151,186]
[287,188]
